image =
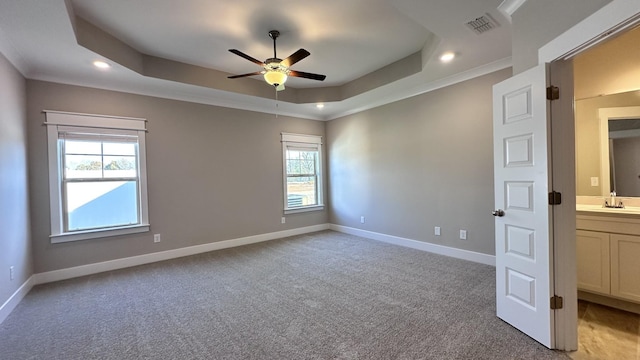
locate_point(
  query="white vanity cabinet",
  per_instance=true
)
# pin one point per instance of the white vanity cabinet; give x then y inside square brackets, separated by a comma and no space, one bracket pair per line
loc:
[625,266]
[608,255]
[592,254]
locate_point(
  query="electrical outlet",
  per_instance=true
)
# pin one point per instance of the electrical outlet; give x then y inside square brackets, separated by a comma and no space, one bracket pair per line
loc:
[463,234]
[156,238]
[11,273]
[594,181]
[436,230]
[283,220]
[361,219]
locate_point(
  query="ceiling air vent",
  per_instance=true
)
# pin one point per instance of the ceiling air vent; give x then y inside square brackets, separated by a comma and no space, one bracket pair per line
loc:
[482,24]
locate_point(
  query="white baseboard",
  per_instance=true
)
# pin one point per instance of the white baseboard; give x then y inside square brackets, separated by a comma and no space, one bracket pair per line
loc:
[419,245]
[15,299]
[68,273]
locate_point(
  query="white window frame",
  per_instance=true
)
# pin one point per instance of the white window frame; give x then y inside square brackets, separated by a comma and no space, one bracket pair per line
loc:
[57,122]
[313,142]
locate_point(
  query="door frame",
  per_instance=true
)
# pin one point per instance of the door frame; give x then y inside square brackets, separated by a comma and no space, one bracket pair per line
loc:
[609,20]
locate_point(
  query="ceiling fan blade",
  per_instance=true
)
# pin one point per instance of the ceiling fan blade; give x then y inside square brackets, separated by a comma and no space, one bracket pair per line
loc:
[306,75]
[241,54]
[244,75]
[295,57]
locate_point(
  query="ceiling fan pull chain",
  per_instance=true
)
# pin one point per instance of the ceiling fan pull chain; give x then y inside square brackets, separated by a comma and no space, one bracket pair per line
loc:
[276,101]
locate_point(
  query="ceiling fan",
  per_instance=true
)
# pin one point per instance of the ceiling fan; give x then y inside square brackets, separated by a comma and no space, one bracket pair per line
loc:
[276,70]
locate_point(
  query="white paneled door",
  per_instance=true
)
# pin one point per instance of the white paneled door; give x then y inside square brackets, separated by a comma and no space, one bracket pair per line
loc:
[524,274]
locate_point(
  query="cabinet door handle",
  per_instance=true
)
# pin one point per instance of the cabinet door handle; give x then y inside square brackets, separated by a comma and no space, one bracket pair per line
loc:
[498,213]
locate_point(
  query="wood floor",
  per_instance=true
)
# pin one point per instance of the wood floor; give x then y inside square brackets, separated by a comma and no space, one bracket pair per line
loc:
[606,333]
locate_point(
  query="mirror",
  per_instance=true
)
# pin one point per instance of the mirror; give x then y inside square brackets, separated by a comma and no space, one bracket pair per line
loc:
[624,151]
[594,175]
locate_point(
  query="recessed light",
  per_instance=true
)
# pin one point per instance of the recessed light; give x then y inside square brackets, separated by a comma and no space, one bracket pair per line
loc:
[101,64]
[446,57]
[320,105]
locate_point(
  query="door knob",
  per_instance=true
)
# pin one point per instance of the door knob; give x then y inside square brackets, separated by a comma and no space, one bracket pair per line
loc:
[498,212]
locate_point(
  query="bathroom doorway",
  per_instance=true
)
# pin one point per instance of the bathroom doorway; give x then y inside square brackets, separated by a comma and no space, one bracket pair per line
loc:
[606,87]
[609,22]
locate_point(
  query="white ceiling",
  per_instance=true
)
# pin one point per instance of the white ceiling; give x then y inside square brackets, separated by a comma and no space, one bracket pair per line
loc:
[347,40]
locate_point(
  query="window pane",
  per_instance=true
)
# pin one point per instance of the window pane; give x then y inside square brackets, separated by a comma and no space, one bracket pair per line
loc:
[308,163]
[91,205]
[293,154]
[112,148]
[293,167]
[301,191]
[82,166]
[82,147]
[120,166]
[301,162]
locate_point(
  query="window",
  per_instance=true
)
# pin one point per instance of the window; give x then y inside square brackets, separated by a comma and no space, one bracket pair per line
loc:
[97,176]
[302,156]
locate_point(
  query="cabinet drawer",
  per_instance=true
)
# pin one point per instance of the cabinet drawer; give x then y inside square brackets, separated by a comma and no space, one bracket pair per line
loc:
[609,224]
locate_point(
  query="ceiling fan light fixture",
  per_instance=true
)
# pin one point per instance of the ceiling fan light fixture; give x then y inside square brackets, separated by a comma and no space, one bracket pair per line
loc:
[275,70]
[275,77]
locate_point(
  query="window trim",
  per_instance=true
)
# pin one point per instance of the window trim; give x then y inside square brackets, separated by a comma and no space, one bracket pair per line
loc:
[311,142]
[57,121]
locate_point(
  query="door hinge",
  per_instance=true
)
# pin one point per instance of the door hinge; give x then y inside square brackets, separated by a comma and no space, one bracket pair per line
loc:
[553,93]
[555,198]
[556,302]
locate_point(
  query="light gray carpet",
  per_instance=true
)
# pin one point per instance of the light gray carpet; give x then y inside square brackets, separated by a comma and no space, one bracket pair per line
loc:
[325,295]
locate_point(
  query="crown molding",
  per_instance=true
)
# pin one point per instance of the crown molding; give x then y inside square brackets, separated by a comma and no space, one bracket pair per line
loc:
[508,7]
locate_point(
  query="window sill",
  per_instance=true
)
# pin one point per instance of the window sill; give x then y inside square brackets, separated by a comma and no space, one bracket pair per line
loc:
[99,233]
[303,209]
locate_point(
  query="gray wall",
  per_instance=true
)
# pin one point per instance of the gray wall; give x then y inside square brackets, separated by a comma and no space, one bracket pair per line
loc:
[15,246]
[418,163]
[213,173]
[537,22]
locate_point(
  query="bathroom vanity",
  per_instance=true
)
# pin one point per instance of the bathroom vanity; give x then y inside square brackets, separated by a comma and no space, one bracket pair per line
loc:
[608,251]
[607,173]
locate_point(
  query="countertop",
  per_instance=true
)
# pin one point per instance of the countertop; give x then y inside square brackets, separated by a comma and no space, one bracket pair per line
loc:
[599,210]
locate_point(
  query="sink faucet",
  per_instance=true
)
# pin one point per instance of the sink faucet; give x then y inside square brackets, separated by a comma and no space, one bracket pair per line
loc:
[611,202]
